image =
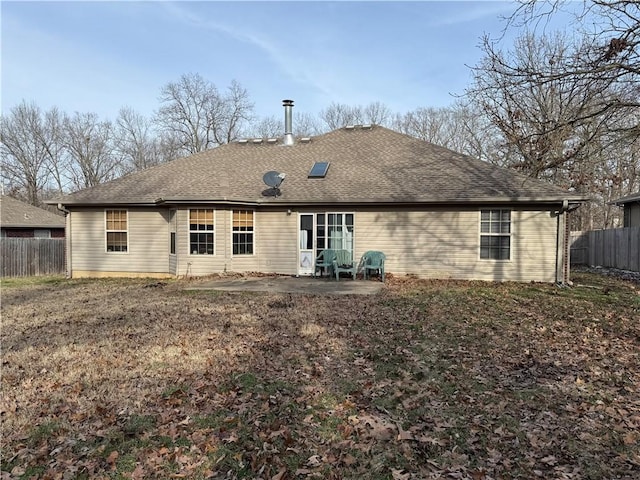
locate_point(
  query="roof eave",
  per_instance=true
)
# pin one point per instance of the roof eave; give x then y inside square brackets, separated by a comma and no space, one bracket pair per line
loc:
[440,201]
[168,202]
[12,225]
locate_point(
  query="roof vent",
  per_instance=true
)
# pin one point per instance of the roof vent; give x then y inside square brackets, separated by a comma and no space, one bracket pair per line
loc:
[243,140]
[368,126]
[349,127]
[288,121]
[319,170]
[305,139]
[272,140]
[257,140]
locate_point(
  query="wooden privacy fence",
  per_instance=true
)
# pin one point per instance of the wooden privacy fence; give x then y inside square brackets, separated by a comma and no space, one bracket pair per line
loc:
[24,257]
[615,248]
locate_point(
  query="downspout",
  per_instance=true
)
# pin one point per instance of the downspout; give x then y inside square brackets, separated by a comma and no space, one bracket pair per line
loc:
[67,238]
[561,263]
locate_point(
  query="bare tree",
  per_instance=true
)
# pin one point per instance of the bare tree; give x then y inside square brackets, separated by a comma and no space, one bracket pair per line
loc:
[194,111]
[136,141]
[24,155]
[606,56]
[306,125]
[267,127]
[236,111]
[338,115]
[93,158]
[435,125]
[52,138]
[556,126]
[550,123]
[376,113]
[459,127]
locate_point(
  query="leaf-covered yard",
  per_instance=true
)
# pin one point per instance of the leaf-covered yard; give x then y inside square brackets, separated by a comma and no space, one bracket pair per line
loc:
[429,379]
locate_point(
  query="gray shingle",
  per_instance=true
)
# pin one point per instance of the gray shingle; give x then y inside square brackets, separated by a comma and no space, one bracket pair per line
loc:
[368,165]
[17,214]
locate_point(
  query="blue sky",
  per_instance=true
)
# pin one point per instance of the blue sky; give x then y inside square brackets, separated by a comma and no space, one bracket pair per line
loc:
[100,56]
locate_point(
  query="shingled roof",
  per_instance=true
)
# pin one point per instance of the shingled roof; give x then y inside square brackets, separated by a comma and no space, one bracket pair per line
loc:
[368,165]
[17,214]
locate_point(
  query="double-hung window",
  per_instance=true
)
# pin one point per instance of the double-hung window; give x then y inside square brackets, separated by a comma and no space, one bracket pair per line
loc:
[116,231]
[495,234]
[201,231]
[243,232]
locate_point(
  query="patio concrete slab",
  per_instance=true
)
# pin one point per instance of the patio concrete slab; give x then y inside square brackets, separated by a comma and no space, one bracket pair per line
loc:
[284,284]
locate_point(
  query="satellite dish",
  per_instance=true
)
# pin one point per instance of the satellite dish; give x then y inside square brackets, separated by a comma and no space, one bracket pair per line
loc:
[273,179]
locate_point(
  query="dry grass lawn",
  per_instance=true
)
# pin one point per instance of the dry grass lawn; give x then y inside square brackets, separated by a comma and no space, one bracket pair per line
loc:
[429,379]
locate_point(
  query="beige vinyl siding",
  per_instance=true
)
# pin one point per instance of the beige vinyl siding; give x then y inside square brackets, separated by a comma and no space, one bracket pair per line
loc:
[445,244]
[190,264]
[277,242]
[148,241]
[435,243]
[275,237]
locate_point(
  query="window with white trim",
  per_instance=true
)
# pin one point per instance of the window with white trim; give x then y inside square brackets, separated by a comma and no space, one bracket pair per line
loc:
[242,232]
[116,229]
[335,231]
[201,231]
[495,234]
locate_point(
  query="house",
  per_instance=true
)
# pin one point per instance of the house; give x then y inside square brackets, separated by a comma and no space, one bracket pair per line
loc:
[271,205]
[631,209]
[19,219]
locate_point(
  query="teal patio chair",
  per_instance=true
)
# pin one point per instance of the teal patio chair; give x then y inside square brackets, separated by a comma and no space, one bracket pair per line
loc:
[325,260]
[373,261]
[343,263]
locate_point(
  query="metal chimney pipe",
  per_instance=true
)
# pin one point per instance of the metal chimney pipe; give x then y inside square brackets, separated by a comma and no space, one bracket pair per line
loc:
[288,114]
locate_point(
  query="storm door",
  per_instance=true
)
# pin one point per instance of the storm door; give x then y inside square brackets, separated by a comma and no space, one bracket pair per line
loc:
[305,244]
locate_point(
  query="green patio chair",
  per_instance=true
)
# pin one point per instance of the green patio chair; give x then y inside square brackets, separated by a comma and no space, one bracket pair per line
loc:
[324,260]
[343,263]
[373,261]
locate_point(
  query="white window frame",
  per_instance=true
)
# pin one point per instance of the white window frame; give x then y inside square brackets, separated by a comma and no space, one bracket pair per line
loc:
[107,231]
[253,232]
[213,232]
[495,234]
[326,226]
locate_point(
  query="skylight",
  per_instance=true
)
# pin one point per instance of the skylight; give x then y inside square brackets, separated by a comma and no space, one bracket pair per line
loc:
[319,170]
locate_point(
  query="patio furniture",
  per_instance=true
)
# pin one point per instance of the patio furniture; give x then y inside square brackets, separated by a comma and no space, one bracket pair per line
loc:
[324,260]
[373,261]
[343,263]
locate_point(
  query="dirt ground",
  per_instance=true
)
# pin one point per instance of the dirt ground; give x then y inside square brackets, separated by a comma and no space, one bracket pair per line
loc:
[425,379]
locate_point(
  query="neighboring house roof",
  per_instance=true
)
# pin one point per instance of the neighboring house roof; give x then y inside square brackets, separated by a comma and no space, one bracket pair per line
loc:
[634,197]
[369,164]
[17,214]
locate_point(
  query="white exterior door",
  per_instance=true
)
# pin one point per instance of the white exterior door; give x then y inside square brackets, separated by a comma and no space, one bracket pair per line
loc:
[306,256]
